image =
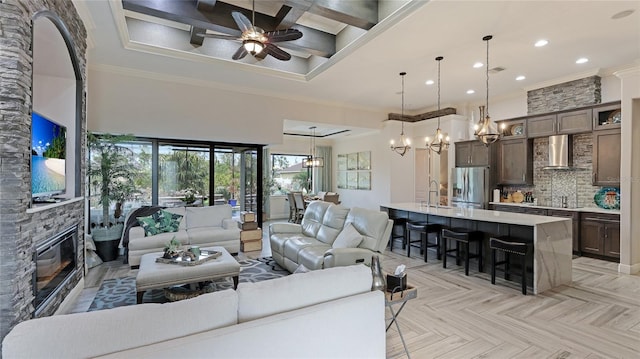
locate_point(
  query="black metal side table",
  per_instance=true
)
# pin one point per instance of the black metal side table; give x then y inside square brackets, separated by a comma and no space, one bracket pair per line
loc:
[401,298]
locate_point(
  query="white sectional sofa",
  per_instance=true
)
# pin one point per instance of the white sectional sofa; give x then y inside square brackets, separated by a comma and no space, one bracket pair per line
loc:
[322,314]
[201,226]
[330,235]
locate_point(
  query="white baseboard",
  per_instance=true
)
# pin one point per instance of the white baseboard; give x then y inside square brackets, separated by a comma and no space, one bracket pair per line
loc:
[629,269]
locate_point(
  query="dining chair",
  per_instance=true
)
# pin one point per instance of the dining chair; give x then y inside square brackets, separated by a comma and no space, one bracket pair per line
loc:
[292,207]
[300,206]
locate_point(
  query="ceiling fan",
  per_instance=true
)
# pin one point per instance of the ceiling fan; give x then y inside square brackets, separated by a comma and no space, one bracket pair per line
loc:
[256,41]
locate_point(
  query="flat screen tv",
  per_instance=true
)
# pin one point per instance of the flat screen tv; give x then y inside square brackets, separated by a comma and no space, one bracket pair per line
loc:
[48,152]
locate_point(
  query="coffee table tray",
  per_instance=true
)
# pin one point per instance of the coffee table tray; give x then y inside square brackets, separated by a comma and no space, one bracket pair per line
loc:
[205,256]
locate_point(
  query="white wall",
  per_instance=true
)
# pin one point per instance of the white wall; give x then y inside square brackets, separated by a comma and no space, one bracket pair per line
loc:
[168,107]
[55,98]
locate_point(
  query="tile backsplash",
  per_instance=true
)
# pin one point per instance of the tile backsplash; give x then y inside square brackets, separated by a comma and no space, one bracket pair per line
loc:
[550,185]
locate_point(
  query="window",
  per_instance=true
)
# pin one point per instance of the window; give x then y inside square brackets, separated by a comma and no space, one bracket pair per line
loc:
[288,175]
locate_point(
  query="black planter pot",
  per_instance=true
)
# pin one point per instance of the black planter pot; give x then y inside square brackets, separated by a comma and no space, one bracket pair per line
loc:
[107,250]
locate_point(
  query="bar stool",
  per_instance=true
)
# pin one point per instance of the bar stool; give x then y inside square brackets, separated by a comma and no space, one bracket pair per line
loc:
[461,236]
[424,228]
[402,222]
[508,246]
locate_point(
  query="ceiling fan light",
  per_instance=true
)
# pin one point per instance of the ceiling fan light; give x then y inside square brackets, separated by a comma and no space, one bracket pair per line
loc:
[253,47]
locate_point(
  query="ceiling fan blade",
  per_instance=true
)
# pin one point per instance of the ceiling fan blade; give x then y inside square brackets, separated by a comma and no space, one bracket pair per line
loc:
[283,35]
[244,24]
[218,36]
[261,55]
[240,53]
[277,52]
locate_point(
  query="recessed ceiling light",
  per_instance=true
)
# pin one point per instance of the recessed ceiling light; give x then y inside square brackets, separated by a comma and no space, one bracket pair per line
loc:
[478,65]
[622,14]
[582,60]
[429,82]
[520,78]
[541,43]
[469,92]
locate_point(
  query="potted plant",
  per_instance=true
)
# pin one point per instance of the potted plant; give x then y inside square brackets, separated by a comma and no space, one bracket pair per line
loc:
[111,177]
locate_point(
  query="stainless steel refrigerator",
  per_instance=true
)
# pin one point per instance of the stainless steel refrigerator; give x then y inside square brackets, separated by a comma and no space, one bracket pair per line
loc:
[470,187]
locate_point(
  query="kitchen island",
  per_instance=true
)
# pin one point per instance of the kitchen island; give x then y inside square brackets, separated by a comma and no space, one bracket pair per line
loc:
[551,236]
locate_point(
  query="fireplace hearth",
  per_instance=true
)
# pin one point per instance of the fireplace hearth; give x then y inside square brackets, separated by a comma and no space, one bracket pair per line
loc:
[55,261]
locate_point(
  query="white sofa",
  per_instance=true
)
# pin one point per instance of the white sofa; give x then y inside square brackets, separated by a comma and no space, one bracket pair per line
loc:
[322,314]
[201,226]
[313,242]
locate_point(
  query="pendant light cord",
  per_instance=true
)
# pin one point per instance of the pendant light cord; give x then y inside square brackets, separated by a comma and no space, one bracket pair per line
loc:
[402,107]
[253,14]
[439,58]
[487,38]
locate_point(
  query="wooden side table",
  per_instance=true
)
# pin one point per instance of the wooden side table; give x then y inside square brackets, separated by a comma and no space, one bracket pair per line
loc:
[399,297]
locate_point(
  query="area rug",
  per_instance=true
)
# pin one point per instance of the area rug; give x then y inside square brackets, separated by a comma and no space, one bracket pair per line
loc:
[119,292]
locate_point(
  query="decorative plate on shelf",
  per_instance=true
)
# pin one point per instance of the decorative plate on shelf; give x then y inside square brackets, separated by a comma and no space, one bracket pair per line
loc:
[615,117]
[608,198]
[517,130]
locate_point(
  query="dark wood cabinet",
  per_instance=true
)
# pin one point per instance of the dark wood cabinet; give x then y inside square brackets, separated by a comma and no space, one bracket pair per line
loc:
[507,208]
[515,161]
[541,126]
[536,211]
[600,235]
[574,122]
[575,228]
[606,158]
[471,154]
[562,123]
[607,116]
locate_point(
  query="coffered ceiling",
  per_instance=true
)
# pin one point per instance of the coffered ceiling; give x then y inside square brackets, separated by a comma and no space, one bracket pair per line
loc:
[352,51]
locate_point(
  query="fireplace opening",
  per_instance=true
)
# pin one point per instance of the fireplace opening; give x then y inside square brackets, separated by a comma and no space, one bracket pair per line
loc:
[55,261]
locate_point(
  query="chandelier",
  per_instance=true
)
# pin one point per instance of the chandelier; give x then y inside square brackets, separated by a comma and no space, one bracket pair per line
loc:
[486,130]
[405,142]
[439,142]
[311,160]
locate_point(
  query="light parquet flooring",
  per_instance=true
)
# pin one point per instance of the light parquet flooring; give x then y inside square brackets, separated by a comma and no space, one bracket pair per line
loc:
[454,316]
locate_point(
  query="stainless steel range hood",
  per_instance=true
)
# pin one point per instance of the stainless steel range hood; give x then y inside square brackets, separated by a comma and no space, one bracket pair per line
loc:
[560,153]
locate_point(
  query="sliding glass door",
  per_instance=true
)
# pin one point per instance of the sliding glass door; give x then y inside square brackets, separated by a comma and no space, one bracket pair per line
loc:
[183,175]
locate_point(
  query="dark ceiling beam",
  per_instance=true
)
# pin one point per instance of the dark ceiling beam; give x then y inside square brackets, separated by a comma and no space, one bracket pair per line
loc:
[287,17]
[422,116]
[358,13]
[220,20]
[195,33]
[206,5]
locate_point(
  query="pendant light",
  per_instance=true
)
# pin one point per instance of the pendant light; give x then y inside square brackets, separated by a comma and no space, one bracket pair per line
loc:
[312,160]
[439,142]
[405,142]
[486,130]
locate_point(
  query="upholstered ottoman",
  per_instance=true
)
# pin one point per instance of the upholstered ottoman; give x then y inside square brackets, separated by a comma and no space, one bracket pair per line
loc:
[153,275]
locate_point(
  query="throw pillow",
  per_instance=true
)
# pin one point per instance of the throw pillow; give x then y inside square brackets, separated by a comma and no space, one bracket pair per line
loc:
[160,222]
[348,238]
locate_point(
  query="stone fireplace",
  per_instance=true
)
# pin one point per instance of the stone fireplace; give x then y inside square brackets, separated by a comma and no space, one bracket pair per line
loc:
[25,229]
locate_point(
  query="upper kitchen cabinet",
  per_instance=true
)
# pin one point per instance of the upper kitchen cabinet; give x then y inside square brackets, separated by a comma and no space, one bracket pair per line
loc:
[541,126]
[562,123]
[471,154]
[606,158]
[606,117]
[516,128]
[578,121]
[515,161]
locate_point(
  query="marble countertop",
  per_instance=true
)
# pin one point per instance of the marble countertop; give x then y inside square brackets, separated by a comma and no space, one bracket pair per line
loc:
[476,214]
[577,209]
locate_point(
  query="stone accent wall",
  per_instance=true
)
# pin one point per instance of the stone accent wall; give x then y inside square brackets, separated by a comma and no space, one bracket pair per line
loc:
[20,231]
[565,96]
